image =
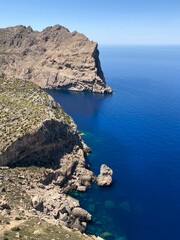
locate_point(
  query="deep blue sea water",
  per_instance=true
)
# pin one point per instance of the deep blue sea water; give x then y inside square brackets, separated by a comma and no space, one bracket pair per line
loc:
[136,131]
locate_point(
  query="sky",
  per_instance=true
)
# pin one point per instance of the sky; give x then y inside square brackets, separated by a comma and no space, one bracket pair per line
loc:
[103,21]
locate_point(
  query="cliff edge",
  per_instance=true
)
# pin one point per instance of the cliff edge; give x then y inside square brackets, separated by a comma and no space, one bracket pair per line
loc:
[53,58]
[32,124]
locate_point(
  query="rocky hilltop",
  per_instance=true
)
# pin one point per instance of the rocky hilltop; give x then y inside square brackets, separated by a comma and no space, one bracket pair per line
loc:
[42,158]
[53,58]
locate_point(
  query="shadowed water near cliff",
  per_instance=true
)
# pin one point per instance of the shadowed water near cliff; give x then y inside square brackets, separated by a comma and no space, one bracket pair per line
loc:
[136,131]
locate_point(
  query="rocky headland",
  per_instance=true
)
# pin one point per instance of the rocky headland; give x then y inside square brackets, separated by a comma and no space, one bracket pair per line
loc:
[42,158]
[52,58]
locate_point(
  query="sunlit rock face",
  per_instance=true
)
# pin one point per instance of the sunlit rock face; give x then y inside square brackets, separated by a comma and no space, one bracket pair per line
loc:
[53,58]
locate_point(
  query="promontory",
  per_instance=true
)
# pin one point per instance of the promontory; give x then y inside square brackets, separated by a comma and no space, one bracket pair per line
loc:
[52,58]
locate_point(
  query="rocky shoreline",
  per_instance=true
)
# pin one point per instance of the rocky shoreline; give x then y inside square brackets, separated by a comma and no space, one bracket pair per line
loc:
[52,58]
[32,183]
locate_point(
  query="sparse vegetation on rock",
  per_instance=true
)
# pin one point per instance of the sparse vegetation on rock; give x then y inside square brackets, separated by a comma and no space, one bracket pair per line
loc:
[41,145]
[42,157]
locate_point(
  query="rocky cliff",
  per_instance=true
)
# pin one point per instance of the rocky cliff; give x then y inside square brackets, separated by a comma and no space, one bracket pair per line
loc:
[42,158]
[32,124]
[34,130]
[53,58]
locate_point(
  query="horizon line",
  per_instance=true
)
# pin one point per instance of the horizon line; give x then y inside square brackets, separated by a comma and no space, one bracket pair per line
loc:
[140,44]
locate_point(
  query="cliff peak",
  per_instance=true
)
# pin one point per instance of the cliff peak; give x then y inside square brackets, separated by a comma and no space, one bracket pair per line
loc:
[52,58]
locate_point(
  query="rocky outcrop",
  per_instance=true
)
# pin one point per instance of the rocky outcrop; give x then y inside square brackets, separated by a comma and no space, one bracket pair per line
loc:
[33,125]
[34,130]
[50,202]
[53,58]
[105,176]
[44,210]
[40,141]
[29,192]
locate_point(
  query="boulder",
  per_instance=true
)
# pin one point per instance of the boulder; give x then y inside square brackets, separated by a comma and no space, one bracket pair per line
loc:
[82,214]
[72,202]
[37,203]
[4,205]
[77,225]
[81,188]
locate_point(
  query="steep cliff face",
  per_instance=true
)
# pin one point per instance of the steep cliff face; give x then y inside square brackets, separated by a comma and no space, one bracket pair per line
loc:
[32,124]
[53,58]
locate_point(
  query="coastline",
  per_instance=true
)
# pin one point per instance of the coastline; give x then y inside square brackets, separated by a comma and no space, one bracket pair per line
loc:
[38,174]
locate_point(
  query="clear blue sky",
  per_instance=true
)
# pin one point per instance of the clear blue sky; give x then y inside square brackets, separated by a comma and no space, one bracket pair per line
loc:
[104,21]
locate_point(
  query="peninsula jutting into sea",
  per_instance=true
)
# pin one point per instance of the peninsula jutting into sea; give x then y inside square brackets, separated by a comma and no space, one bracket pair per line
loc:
[42,155]
[53,58]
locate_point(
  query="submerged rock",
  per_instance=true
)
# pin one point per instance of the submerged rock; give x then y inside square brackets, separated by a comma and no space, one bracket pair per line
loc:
[125,205]
[109,204]
[107,235]
[53,58]
[105,176]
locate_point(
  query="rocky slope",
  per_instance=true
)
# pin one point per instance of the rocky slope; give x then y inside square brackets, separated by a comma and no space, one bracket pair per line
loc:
[30,209]
[53,58]
[32,124]
[42,158]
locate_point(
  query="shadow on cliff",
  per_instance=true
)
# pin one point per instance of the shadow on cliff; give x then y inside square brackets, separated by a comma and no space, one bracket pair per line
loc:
[53,140]
[44,148]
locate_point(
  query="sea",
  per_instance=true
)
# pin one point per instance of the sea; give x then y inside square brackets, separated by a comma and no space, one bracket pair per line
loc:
[136,132]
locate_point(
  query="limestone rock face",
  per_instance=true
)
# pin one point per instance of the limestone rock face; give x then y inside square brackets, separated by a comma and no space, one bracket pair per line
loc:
[105,176]
[41,143]
[53,58]
[33,125]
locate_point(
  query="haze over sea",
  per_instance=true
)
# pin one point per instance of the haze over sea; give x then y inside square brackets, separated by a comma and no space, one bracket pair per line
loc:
[136,131]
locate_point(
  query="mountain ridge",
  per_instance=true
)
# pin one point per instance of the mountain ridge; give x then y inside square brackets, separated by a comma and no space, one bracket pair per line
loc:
[52,58]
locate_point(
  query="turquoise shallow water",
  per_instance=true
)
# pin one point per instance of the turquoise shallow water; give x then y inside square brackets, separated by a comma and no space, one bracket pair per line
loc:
[136,131]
